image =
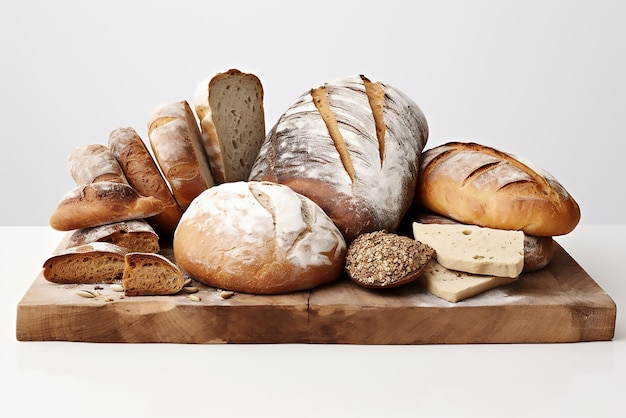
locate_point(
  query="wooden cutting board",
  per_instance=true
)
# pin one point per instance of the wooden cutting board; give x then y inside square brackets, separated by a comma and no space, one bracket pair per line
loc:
[560,303]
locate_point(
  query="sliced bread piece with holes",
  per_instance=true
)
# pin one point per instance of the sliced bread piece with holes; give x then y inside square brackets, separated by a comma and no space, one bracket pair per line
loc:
[232,118]
[151,274]
[136,236]
[98,262]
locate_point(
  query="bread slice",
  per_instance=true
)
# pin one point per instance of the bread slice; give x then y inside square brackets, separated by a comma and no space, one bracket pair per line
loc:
[102,203]
[134,236]
[144,175]
[232,118]
[455,286]
[98,262]
[177,145]
[474,249]
[151,274]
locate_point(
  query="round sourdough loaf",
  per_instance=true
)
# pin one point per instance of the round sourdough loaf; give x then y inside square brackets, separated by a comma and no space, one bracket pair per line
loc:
[477,184]
[259,238]
[353,147]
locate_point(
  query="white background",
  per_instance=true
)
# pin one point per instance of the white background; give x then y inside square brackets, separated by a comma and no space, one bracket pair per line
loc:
[541,79]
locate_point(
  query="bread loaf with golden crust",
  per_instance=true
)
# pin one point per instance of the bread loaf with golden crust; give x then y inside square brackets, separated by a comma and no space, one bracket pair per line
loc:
[259,238]
[353,147]
[143,175]
[479,185]
[176,142]
[134,236]
[92,163]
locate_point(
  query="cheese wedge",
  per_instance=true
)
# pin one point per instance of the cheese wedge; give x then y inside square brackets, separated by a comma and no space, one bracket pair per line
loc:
[455,286]
[474,249]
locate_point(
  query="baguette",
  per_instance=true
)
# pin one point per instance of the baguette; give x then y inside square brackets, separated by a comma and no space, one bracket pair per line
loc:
[177,146]
[102,203]
[134,236]
[476,184]
[353,147]
[143,175]
[93,163]
[232,119]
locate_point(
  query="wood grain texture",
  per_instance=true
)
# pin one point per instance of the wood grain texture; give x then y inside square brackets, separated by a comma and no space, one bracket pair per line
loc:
[560,303]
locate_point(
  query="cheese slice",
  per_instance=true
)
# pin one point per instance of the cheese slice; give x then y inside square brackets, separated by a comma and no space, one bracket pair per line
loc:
[474,249]
[455,286]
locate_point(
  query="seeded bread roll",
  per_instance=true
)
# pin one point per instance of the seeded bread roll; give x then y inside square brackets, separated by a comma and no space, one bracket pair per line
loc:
[102,203]
[134,236]
[143,175]
[98,262]
[476,184]
[352,146]
[232,119]
[538,251]
[92,163]
[177,145]
[259,238]
[151,274]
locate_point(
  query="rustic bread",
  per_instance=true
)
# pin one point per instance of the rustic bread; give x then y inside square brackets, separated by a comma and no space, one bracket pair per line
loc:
[102,203]
[232,119]
[177,146]
[352,146]
[97,262]
[476,184]
[454,286]
[134,236]
[538,251]
[258,237]
[382,260]
[92,163]
[151,274]
[474,249]
[143,175]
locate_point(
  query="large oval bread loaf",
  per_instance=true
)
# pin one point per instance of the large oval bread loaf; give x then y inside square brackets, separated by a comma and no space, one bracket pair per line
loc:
[260,238]
[480,185]
[352,146]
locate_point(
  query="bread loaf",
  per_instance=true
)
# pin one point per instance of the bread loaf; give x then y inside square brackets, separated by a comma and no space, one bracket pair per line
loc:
[98,262]
[232,119]
[352,146]
[134,236]
[260,238]
[177,145]
[476,184]
[92,163]
[538,251]
[151,274]
[102,203]
[143,175]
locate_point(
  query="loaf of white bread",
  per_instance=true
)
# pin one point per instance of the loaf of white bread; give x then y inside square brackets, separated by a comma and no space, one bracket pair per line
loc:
[353,146]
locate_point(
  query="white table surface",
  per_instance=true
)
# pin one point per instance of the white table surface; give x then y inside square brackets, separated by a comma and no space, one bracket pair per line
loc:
[298,380]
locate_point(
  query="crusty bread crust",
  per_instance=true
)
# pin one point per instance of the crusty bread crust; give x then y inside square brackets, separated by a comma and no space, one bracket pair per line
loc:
[259,238]
[92,163]
[480,185]
[102,203]
[334,146]
[177,146]
[143,175]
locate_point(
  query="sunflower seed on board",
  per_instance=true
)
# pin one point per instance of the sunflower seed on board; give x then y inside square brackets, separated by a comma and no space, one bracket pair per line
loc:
[195,298]
[187,282]
[116,287]
[190,289]
[86,293]
[225,294]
